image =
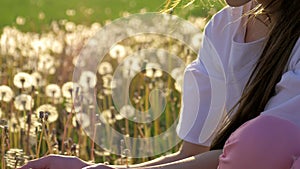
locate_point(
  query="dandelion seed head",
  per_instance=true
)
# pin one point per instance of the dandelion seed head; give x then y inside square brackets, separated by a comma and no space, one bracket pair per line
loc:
[20,20]
[70,26]
[23,80]
[132,65]
[6,93]
[117,51]
[41,16]
[70,12]
[88,80]
[23,102]
[106,117]
[70,90]
[38,45]
[127,111]
[105,68]
[49,111]
[96,26]
[57,47]
[53,91]
[153,70]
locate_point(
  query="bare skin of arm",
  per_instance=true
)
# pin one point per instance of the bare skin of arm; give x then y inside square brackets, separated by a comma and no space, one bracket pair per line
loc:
[60,162]
[207,160]
[187,150]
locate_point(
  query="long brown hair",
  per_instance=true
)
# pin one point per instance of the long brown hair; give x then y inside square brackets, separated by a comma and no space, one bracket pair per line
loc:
[267,72]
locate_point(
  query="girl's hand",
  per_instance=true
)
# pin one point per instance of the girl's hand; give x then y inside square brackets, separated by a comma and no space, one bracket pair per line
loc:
[56,162]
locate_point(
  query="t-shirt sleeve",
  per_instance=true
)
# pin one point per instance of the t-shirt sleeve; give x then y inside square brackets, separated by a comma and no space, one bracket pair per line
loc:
[203,97]
[266,142]
[285,102]
[204,88]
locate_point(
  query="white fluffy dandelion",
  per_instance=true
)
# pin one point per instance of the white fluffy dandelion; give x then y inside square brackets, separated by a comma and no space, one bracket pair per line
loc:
[23,80]
[132,65]
[127,111]
[6,94]
[53,91]
[88,80]
[117,51]
[107,117]
[105,68]
[153,70]
[49,110]
[70,90]
[57,47]
[23,102]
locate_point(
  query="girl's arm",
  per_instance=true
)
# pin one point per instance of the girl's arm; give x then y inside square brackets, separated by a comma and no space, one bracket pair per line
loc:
[208,160]
[187,150]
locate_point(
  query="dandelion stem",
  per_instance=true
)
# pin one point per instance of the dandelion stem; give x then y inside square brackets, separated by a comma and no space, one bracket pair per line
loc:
[3,148]
[40,144]
[93,144]
[28,133]
[65,132]
[47,138]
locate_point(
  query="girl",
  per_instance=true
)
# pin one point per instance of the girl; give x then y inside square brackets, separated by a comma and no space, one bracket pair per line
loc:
[260,54]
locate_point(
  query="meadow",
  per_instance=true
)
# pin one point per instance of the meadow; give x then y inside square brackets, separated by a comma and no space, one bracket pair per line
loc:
[43,110]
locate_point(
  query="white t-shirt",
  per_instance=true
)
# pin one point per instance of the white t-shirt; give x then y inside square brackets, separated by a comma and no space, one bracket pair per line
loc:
[216,79]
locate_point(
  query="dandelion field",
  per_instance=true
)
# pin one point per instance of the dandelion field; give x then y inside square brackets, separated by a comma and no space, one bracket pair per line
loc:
[41,106]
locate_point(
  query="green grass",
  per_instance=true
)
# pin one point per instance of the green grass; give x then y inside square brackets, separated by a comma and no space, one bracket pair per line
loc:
[56,9]
[103,10]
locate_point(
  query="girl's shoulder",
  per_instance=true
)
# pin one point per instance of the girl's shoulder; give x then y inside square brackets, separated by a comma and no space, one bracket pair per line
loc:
[223,26]
[226,17]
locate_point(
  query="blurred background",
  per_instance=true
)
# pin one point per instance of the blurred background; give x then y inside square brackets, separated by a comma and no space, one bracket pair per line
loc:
[40,44]
[35,15]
